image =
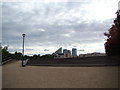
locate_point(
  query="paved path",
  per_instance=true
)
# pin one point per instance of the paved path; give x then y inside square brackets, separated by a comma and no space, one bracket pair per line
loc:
[15,76]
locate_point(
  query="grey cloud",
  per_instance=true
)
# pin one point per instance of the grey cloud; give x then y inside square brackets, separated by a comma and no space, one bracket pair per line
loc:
[18,20]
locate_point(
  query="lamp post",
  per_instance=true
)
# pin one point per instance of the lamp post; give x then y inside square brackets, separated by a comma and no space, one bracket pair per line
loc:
[23,49]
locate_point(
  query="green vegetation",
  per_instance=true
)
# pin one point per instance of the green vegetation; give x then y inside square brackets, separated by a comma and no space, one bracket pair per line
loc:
[19,56]
[5,53]
[41,57]
[112,44]
[47,56]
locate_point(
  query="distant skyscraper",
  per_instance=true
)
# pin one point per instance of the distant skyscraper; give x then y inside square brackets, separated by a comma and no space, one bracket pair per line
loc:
[59,51]
[69,51]
[65,51]
[74,52]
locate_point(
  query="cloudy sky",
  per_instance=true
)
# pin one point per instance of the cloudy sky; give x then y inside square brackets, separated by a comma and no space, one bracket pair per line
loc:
[50,25]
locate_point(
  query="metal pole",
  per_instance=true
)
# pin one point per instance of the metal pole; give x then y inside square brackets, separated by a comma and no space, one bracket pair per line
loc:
[23,50]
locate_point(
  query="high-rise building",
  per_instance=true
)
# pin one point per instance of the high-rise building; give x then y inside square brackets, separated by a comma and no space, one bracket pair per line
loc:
[67,53]
[74,52]
[59,51]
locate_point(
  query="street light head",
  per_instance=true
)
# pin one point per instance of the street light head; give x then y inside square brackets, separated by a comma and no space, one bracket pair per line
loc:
[23,35]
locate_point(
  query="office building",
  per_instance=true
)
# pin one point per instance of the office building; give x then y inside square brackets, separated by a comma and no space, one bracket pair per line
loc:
[74,52]
[67,53]
[59,51]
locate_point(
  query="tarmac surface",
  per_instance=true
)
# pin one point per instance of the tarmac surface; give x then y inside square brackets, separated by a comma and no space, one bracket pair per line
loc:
[15,76]
[76,62]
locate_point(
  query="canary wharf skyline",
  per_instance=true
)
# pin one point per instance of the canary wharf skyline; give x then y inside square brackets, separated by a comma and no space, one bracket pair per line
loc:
[50,25]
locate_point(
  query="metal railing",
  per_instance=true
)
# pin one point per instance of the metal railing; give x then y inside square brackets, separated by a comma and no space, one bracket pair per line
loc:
[6,59]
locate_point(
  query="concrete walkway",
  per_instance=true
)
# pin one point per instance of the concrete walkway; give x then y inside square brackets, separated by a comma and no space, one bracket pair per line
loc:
[15,76]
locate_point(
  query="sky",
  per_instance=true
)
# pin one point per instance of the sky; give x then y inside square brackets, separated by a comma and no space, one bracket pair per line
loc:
[51,24]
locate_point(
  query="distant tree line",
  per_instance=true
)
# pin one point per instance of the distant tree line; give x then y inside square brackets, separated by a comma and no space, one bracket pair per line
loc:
[42,57]
[112,44]
[19,56]
[7,55]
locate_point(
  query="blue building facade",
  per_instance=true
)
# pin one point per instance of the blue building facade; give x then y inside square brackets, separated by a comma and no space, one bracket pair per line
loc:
[74,52]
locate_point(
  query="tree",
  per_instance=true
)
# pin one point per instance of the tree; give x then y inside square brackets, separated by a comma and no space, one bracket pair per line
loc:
[5,51]
[35,56]
[112,44]
[18,55]
[47,56]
